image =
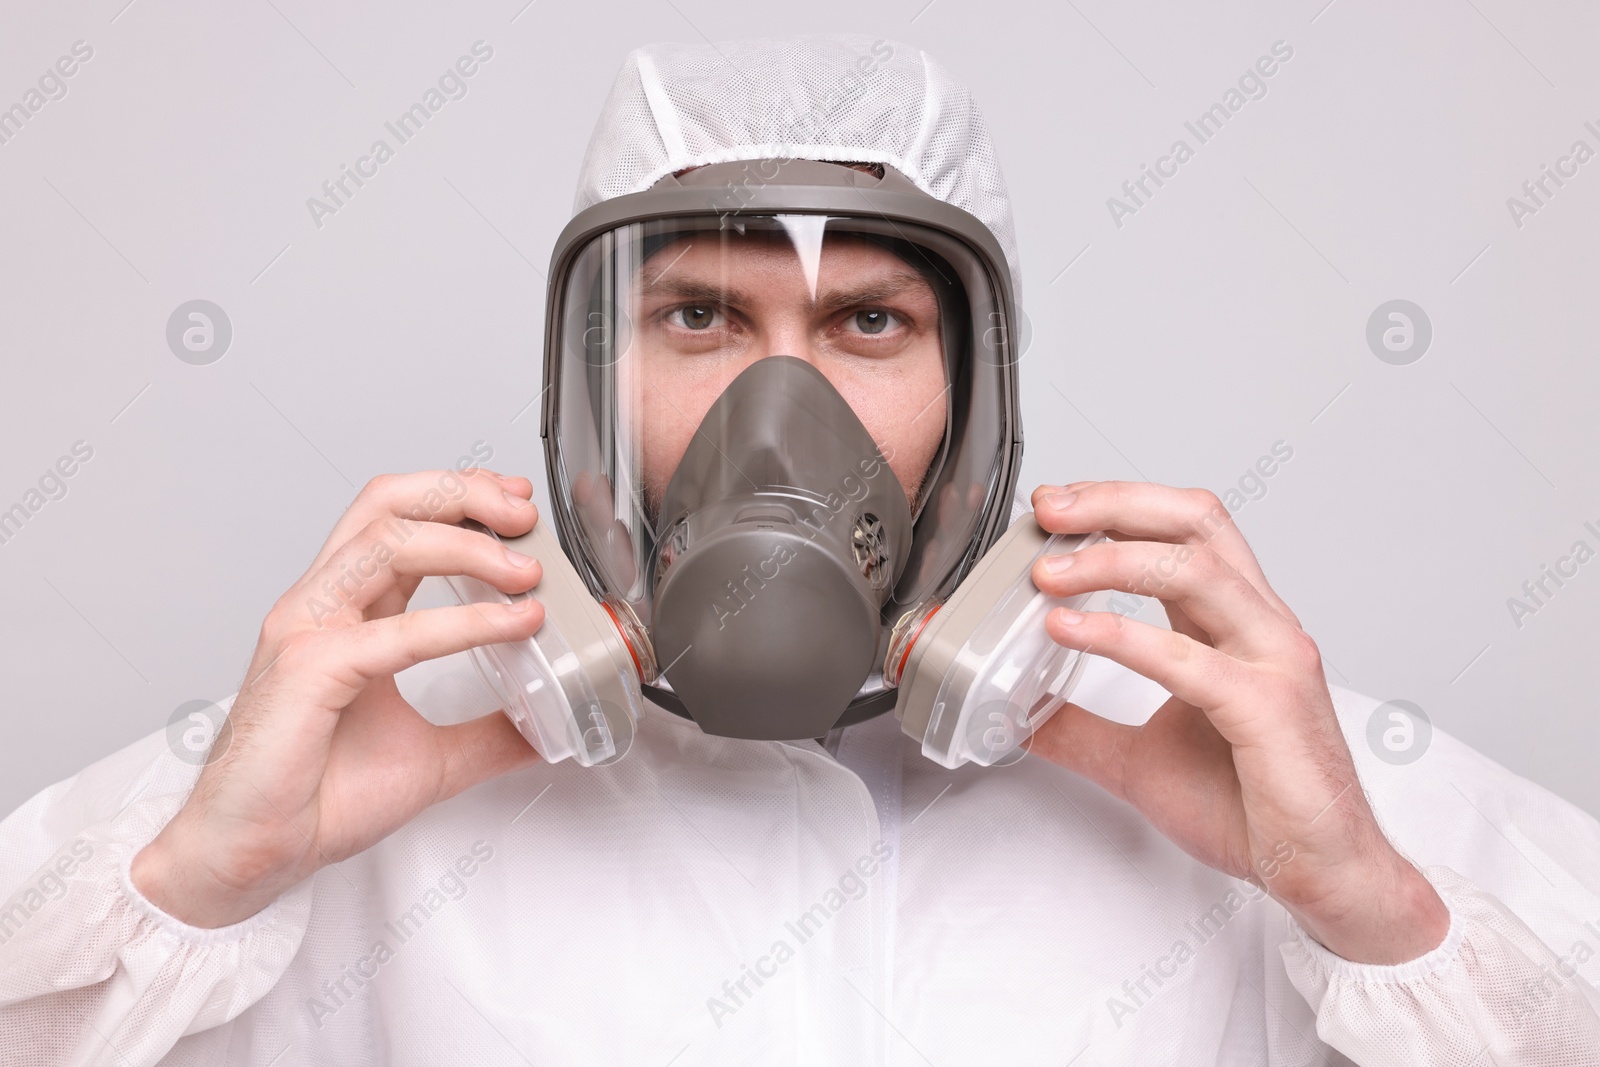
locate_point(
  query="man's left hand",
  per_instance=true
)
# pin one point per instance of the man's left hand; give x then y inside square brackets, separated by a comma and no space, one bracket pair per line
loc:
[1245,767]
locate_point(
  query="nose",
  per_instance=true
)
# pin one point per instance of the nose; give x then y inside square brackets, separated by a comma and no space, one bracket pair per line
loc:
[788,337]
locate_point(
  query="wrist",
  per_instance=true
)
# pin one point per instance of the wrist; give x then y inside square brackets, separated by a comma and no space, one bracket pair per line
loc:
[1393,916]
[165,875]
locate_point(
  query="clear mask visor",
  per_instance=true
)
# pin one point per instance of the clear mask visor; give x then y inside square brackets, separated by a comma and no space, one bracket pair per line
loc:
[657,318]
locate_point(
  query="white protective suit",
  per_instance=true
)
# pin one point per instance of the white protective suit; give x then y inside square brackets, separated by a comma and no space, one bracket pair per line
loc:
[718,901]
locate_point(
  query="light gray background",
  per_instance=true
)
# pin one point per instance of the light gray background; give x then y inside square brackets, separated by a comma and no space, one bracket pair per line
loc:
[1227,315]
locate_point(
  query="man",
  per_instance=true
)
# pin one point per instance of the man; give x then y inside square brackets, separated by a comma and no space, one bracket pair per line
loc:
[1200,876]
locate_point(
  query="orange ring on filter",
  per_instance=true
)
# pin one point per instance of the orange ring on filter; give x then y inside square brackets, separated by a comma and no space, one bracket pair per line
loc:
[637,669]
[900,668]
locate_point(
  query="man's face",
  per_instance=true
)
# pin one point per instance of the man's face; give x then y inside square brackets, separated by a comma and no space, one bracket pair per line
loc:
[710,305]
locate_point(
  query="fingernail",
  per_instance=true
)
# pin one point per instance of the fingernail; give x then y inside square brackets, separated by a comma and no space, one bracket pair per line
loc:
[520,606]
[516,501]
[1068,617]
[1057,564]
[517,559]
[1060,501]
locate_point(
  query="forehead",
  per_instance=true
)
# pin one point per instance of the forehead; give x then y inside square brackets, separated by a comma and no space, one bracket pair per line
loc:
[772,254]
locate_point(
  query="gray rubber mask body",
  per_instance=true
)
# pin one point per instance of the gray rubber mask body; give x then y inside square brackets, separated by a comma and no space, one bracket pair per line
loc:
[782,533]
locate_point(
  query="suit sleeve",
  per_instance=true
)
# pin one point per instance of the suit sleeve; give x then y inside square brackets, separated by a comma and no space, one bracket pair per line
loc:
[90,971]
[1514,981]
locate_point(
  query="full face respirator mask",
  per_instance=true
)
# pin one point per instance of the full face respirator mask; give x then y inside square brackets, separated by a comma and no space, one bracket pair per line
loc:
[781,434]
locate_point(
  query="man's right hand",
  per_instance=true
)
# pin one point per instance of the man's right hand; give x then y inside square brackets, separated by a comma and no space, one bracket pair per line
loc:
[326,758]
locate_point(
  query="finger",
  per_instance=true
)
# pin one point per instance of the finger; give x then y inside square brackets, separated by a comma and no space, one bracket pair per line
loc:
[1192,672]
[514,484]
[1198,580]
[1156,512]
[448,496]
[394,602]
[381,647]
[481,749]
[1177,620]
[387,555]
[1086,744]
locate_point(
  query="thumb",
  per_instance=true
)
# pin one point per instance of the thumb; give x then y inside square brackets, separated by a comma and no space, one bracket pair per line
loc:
[480,749]
[1086,744]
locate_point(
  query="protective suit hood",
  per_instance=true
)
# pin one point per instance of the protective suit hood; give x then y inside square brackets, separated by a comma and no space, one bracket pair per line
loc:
[838,98]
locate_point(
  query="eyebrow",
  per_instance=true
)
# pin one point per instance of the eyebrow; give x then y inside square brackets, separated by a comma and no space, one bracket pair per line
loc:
[895,284]
[694,289]
[892,285]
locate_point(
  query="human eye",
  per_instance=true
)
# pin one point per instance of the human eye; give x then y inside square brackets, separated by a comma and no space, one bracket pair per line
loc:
[696,317]
[872,321]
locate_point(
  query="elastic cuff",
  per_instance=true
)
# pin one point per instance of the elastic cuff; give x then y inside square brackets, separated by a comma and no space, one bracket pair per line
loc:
[177,928]
[1432,962]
